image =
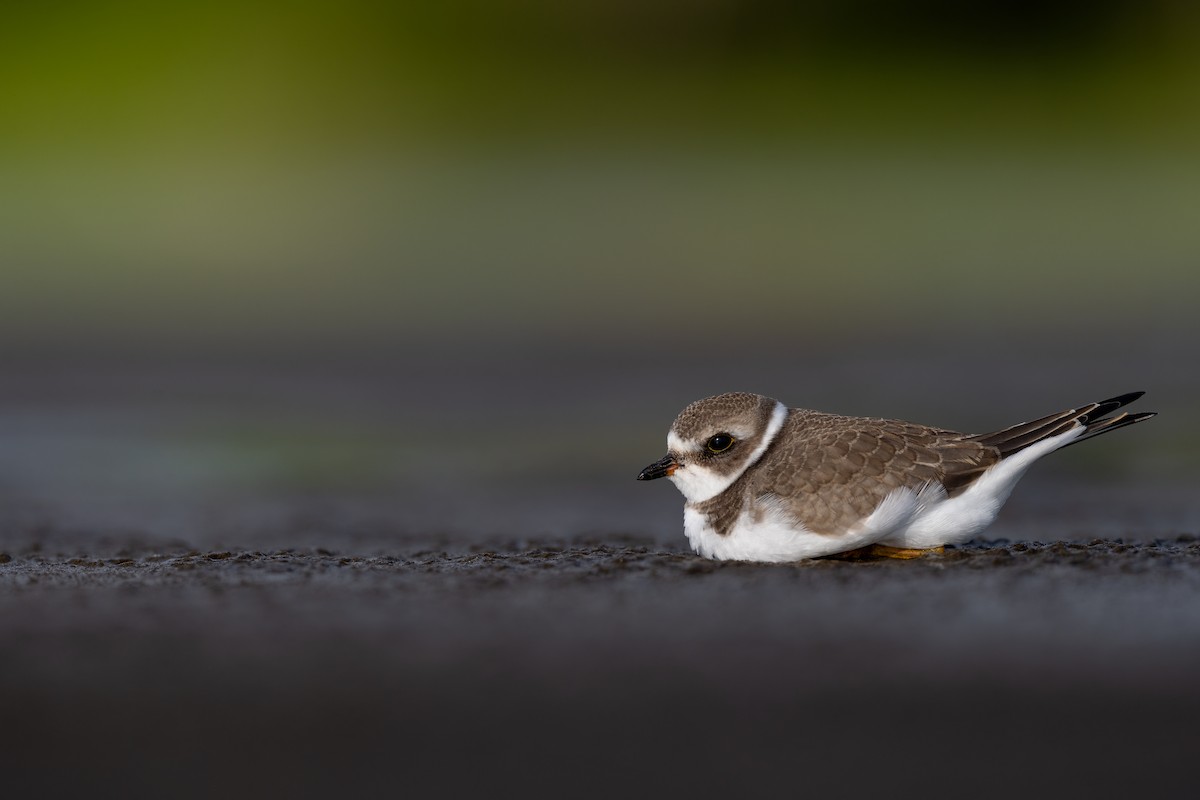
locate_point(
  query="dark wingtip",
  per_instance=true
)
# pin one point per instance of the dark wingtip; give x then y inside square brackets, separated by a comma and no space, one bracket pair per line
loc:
[1123,400]
[1122,420]
[1110,405]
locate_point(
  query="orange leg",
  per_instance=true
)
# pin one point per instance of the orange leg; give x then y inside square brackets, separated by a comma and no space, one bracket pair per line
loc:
[884,551]
[903,552]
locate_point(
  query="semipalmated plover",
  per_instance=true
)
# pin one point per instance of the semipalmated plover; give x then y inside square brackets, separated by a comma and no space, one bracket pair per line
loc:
[763,482]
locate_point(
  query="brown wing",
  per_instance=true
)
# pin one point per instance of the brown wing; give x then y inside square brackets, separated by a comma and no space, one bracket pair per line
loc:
[832,471]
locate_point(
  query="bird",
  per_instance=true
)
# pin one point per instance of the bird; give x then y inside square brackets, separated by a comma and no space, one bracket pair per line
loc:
[764,482]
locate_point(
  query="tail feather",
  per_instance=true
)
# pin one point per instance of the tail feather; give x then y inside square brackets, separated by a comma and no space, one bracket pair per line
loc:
[1092,416]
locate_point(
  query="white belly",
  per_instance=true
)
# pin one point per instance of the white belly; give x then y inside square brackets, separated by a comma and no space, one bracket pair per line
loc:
[768,533]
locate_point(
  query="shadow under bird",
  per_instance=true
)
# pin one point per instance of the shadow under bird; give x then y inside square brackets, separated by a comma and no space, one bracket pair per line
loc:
[763,482]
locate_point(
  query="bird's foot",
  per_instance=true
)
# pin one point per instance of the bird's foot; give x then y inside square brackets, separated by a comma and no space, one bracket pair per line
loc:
[884,551]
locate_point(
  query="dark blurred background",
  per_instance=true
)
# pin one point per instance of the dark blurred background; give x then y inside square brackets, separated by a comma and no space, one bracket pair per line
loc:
[392,277]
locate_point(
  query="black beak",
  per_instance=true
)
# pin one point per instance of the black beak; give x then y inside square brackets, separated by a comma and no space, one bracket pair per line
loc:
[659,469]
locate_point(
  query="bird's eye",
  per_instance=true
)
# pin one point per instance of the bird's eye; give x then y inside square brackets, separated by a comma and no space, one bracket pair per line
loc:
[720,443]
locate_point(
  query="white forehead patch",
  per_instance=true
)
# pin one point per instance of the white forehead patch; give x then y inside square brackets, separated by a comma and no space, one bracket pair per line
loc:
[678,445]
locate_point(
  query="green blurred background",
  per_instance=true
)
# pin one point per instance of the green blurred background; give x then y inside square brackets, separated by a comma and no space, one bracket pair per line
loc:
[543,218]
[214,172]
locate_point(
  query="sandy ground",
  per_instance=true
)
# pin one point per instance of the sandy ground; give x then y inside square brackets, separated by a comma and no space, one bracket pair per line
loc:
[601,667]
[322,582]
